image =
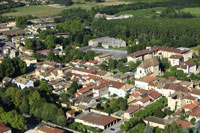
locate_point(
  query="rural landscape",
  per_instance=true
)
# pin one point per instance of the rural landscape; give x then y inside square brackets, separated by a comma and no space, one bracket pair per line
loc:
[99,66]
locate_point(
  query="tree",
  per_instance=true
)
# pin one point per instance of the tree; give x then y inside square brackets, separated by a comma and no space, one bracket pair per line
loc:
[24,107]
[51,56]
[29,44]
[73,88]
[173,128]
[193,121]
[21,22]
[61,120]
[112,64]
[164,64]
[14,119]
[50,41]
[103,66]
[34,97]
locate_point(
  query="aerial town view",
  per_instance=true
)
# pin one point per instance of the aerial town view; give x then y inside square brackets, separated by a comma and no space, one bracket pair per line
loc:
[99,66]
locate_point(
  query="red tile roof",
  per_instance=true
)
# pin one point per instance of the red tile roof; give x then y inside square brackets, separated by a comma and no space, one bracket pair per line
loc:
[145,99]
[49,129]
[150,78]
[3,28]
[116,84]
[98,119]
[176,56]
[135,95]
[189,63]
[154,94]
[184,124]
[195,112]
[189,106]
[157,48]
[133,108]
[93,61]
[3,127]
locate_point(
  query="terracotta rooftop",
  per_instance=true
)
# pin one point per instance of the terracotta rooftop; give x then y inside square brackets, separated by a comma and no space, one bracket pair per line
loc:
[189,106]
[154,94]
[146,99]
[133,108]
[184,124]
[189,63]
[116,84]
[176,57]
[155,49]
[148,63]
[98,119]
[3,127]
[48,129]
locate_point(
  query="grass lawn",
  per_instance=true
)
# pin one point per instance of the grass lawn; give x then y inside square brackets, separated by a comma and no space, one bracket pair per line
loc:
[41,11]
[141,12]
[45,10]
[195,11]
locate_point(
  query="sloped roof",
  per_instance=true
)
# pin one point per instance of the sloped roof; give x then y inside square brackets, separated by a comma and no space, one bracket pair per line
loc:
[148,63]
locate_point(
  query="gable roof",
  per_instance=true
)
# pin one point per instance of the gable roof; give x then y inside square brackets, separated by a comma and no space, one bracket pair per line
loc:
[149,62]
[98,119]
[184,124]
[3,127]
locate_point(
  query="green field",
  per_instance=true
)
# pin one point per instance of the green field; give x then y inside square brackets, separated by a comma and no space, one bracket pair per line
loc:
[45,10]
[41,11]
[195,11]
[141,12]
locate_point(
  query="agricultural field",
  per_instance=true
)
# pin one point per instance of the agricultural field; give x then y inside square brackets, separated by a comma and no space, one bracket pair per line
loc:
[45,10]
[142,12]
[195,11]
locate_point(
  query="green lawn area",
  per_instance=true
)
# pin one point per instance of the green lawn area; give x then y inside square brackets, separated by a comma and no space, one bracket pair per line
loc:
[141,12]
[195,11]
[41,11]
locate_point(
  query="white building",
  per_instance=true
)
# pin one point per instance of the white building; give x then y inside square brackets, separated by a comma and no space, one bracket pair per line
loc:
[23,82]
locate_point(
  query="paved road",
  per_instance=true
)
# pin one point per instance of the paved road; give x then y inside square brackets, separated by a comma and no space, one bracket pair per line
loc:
[117,54]
[116,127]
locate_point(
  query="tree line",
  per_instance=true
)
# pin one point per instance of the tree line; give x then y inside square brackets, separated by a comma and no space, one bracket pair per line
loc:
[150,32]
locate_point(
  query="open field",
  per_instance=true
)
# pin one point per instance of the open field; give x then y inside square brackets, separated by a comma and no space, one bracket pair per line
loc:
[141,12]
[41,11]
[109,3]
[45,10]
[195,11]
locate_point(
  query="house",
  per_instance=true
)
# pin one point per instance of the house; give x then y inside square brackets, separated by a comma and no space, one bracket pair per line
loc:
[102,58]
[148,67]
[187,67]
[49,129]
[116,88]
[128,114]
[176,60]
[102,89]
[4,29]
[157,122]
[70,114]
[140,55]
[23,82]
[107,42]
[161,51]
[96,120]
[183,124]
[14,32]
[6,80]
[144,101]
[143,82]
[178,99]
[110,17]
[4,128]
